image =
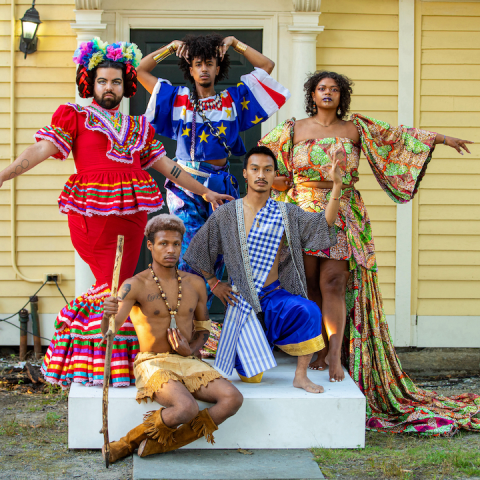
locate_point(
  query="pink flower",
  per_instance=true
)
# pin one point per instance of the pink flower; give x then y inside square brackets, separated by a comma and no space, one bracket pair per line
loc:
[86,47]
[114,53]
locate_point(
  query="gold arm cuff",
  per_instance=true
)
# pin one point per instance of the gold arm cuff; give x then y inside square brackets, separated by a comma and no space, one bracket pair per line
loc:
[240,47]
[171,48]
[207,325]
[304,348]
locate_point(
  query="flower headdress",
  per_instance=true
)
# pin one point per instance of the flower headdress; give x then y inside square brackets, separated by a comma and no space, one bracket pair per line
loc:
[92,53]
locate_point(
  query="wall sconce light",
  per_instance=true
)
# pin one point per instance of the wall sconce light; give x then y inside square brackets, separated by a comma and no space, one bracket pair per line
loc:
[30,23]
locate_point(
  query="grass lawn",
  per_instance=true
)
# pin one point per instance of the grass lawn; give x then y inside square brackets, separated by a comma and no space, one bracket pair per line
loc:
[405,457]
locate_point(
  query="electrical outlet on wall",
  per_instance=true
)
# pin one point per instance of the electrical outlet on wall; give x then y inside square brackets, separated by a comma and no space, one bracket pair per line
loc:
[51,277]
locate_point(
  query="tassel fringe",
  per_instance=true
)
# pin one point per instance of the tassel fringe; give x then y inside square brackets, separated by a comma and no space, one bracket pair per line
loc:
[156,429]
[192,382]
[203,425]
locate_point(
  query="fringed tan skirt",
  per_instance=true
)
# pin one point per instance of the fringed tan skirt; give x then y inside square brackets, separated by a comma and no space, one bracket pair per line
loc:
[152,370]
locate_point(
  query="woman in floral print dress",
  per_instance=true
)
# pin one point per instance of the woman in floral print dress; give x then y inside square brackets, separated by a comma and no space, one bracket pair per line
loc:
[343,280]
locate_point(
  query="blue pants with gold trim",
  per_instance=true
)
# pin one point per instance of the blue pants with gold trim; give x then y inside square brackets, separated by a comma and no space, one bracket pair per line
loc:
[293,323]
[194,210]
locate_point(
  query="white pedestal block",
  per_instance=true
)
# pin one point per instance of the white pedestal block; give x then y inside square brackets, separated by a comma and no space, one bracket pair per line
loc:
[274,414]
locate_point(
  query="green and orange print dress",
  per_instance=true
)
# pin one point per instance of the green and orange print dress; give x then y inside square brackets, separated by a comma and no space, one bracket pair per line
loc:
[398,157]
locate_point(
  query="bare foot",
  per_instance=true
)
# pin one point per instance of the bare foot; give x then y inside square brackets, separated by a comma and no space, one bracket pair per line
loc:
[307,384]
[335,369]
[320,362]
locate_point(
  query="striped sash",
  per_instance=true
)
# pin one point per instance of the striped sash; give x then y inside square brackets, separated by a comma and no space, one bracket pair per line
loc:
[242,333]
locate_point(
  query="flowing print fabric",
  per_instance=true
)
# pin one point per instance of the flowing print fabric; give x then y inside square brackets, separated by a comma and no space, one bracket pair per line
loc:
[398,157]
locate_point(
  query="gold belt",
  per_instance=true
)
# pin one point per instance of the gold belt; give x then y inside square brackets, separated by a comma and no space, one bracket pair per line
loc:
[195,172]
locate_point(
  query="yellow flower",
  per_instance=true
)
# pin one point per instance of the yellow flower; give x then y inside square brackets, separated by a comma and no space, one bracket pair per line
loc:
[96,58]
[128,52]
[101,45]
[137,55]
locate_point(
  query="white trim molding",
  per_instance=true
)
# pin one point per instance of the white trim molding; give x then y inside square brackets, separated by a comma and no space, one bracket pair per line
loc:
[304,31]
[448,331]
[405,329]
[88,24]
[306,5]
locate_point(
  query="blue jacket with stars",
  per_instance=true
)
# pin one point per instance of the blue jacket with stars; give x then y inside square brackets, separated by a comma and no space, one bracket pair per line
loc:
[257,97]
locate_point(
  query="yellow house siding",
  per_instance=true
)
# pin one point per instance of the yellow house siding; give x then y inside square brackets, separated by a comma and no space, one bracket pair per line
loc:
[44,80]
[360,40]
[449,198]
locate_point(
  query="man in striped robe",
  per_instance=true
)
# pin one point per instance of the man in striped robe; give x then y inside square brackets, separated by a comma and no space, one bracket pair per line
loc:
[262,243]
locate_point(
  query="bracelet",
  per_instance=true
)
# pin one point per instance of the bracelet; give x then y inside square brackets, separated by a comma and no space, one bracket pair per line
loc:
[334,198]
[215,286]
[240,47]
[444,138]
[171,48]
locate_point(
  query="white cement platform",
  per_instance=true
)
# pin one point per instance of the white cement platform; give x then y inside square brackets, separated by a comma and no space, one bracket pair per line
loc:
[274,414]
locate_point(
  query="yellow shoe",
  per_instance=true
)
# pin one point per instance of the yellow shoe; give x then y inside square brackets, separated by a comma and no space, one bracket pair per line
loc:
[255,379]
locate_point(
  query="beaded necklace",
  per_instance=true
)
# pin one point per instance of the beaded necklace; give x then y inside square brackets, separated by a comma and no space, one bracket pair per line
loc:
[200,106]
[173,323]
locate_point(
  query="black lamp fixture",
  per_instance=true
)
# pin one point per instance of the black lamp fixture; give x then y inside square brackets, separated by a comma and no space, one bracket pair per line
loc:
[30,23]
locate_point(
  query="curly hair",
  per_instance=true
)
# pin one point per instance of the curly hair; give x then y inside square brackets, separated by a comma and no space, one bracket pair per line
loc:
[163,222]
[86,78]
[343,82]
[204,47]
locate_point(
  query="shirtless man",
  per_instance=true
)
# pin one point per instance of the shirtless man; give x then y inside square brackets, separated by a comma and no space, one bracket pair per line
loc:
[262,243]
[168,308]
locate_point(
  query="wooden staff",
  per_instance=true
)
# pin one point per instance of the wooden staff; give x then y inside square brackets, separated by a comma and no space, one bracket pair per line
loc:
[109,336]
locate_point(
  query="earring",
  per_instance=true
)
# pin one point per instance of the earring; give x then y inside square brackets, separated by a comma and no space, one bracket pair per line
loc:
[314,108]
[339,111]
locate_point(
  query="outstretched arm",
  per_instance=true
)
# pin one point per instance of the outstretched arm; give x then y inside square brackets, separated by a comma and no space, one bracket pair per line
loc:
[177,174]
[126,298]
[453,142]
[31,157]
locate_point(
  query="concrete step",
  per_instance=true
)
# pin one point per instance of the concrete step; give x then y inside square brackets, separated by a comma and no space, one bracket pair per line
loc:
[274,414]
[227,465]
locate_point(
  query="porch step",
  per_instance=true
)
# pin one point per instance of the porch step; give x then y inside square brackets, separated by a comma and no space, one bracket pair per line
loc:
[274,414]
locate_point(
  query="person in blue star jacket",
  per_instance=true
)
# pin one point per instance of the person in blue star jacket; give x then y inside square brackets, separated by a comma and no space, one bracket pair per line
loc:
[206,124]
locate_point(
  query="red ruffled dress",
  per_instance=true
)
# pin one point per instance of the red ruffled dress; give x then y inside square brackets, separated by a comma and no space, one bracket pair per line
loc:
[110,195]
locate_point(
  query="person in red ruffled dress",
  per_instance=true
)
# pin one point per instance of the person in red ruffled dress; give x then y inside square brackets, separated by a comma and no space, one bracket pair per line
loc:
[110,195]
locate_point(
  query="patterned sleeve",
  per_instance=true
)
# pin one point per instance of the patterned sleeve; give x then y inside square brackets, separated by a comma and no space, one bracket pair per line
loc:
[398,156]
[315,233]
[256,98]
[160,109]
[152,151]
[205,246]
[280,142]
[62,131]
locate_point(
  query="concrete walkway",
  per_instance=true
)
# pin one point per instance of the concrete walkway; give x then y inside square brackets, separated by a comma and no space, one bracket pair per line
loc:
[227,465]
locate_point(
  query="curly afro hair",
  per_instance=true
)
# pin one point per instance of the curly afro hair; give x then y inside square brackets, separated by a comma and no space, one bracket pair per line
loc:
[343,82]
[86,78]
[163,222]
[205,47]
